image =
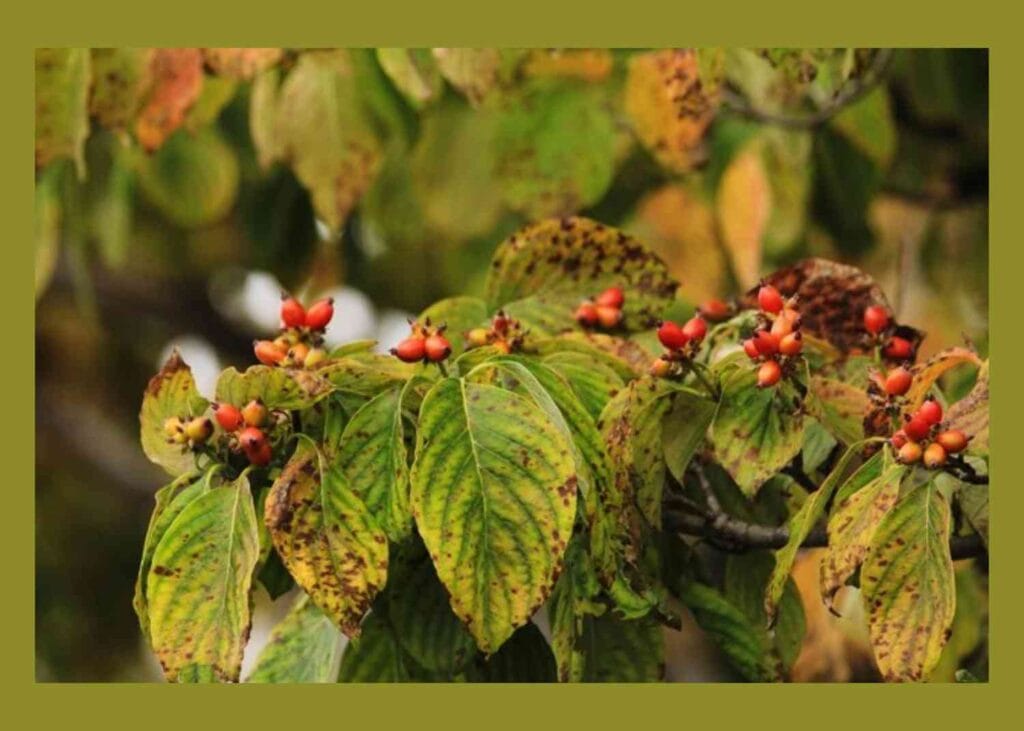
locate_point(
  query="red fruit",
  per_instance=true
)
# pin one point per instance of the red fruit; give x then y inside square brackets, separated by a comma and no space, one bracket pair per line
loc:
[672,336]
[660,368]
[897,381]
[769,299]
[500,324]
[715,310]
[917,428]
[909,453]
[293,314]
[934,455]
[899,439]
[695,328]
[608,316]
[930,412]
[260,455]
[791,344]
[767,343]
[254,413]
[251,438]
[228,416]
[611,297]
[876,319]
[437,348]
[267,352]
[586,315]
[768,374]
[899,349]
[750,348]
[952,441]
[320,314]
[411,349]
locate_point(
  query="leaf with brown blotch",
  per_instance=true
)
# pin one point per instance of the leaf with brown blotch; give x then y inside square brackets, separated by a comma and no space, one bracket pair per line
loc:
[970,414]
[241,63]
[177,75]
[927,373]
[907,585]
[171,393]
[327,539]
[839,406]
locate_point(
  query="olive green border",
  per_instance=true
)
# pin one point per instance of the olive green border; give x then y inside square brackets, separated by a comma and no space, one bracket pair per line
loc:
[480,23]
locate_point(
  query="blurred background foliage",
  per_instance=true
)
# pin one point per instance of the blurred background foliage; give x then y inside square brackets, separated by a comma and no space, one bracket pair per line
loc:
[178,190]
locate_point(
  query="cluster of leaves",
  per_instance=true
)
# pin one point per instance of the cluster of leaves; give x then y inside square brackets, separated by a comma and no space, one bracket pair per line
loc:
[429,513]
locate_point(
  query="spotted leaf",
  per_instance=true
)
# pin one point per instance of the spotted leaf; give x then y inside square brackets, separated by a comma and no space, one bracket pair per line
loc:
[304,647]
[278,388]
[171,393]
[970,414]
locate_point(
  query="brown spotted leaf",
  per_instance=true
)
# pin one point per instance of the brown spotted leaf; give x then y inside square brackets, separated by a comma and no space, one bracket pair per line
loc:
[177,81]
[494,497]
[970,414]
[240,63]
[840,407]
[278,388]
[121,78]
[927,373]
[907,584]
[327,539]
[541,273]
[62,105]
[171,393]
[852,526]
[670,106]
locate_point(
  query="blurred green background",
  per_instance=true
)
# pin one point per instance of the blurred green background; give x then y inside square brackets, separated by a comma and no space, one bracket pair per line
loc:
[179,190]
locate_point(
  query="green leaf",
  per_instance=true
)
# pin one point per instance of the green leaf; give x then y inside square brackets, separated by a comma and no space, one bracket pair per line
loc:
[593,382]
[973,503]
[799,526]
[460,314]
[840,407]
[868,123]
[968,628]
[852,527]
[414,72]
[62,105]
[626,357]
[170,393]
[327,539]
[278,388]
[304,647]
[494,497]
[374,656]
[757,430]
[263,117]
[366,374]
[907,585]
[571,602]
[746,576]
[623,651]
[524,658]
[685,428]
[373,457]
[198,589]
[555,148]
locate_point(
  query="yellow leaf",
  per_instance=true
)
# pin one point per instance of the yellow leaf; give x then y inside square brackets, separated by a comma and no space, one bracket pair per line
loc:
[744,206]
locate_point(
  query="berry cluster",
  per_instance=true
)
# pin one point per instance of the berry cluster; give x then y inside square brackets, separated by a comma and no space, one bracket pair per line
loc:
[301,335]
[505,333]
[189,434]
[879,324]
[425,343]
[245,428]
[604,311]
[777,339]
[681,343]
[923,439]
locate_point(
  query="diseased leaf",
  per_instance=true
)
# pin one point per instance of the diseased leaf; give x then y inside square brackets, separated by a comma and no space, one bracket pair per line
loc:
[852,528]
[554,264]
[626,357]
[494,497]
[670,105]
[757,431]
[198,589]
[121,78]
[62,105]
[177,81]
[240,64]
[327,539]
[365,373]
[593,382]
[840,406]
[970,414]
[374,656]
[572,603]
[278,388]
[171,393]
[927,373]
[908,587]
[304,647]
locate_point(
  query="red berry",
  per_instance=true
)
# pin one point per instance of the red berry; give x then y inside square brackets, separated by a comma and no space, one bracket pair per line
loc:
[695,328]
[952,441]
[320,314]
[769,299]
[611,297]
[260,455]
[500,324]
[586,315]
[267,352]
[228,416]
[897,381]
[899,439]
[917,429]
[672,336]
[750,348]
[437,348]
[254,413]
[930,412]
[293,314]
[791,344]
[411,349]
[768,374]
[251,438]
[876,319]
[899,349]
[715,310]
[910,453]
[934,455]
[608,316]
[767,343]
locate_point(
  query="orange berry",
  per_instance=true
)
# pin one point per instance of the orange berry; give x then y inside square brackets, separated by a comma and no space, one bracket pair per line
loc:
[934,455]
[608,317]
[897,381]
[611,297]
[791,344]
[909,453]
[952,441]
[768,374]
[267,352]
